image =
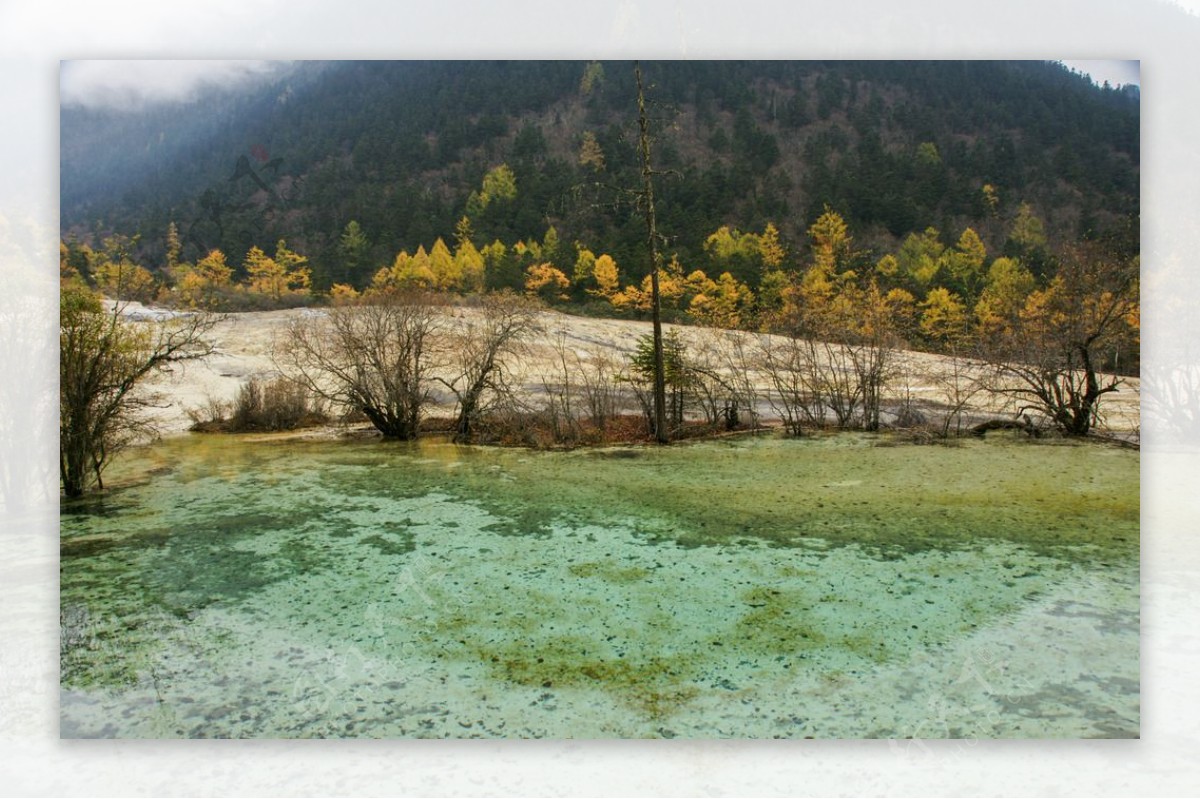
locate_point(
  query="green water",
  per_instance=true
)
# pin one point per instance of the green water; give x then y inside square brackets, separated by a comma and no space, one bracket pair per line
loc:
[848,586]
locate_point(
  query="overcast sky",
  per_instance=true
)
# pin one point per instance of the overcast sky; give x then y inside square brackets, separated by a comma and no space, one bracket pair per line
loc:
[1117,73]
[128,84]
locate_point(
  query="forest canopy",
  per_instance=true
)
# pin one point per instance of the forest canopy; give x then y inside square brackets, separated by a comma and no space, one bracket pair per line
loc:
[406,150]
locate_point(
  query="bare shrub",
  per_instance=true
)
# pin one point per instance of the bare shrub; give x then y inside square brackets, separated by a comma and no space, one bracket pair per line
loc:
[908,416]
[818,381]
[600,378]
[789,365]
[717,383]
[376,356]
[212,415]
[480,355]
[579,397]
[960,385]
[279,404]
[559,409]
[737,355]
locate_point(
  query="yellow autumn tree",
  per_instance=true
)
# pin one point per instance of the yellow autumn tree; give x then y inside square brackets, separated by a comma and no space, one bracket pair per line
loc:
[547,282]
[831,242]
[297,275]
[728,304]
[807,305]
[590,153]
[382,281]
[446,275]
[671,288]
[201,286]
[462,231]
[772,297]
[771,248]
[263,275]
[420,270]
[697,283]
[584,273]
[115,272]
[174,246]
[902,310]
[497,269]
[528,252]
[1027,232]
[606,275]
[276,277]
[920,257]
[887,266]
[470,265]
[1008,285]
[124,280]
[991,200]
[406,272]
[741,254]
[494,254]
[944,317]
[214,269]
[499,184]
[343,294]
[964,264]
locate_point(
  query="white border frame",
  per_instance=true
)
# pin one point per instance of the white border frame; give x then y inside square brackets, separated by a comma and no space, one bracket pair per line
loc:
[34,762]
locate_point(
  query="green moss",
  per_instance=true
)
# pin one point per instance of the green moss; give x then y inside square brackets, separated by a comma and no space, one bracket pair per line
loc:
[777,622]
[87,546]
[609,571]
[392,543]
[655,686]
[845,490]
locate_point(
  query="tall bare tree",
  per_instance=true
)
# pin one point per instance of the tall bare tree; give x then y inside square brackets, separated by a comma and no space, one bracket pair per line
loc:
[660,390]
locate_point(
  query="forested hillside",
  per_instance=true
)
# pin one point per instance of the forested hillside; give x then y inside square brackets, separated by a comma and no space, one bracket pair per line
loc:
[353,163]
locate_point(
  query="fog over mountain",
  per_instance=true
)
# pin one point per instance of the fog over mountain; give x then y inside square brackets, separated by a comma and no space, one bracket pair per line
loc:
[241,154]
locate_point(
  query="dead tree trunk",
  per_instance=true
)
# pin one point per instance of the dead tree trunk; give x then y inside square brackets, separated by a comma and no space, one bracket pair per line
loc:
[660,389]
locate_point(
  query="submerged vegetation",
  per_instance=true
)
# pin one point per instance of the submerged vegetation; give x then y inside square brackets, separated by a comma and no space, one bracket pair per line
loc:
[429,589]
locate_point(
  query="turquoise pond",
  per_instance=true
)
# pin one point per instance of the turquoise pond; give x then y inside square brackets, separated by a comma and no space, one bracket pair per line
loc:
[830,587]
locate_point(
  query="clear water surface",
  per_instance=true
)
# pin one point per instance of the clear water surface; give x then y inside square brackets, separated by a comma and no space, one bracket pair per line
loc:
[842,586]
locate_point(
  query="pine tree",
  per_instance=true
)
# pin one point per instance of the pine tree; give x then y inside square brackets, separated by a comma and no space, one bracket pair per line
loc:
[352,249]
[174,247]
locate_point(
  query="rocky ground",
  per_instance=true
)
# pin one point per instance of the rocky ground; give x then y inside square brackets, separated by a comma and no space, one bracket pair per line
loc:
[246,344]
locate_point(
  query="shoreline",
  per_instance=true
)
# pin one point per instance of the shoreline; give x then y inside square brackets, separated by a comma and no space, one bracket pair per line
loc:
[245,343]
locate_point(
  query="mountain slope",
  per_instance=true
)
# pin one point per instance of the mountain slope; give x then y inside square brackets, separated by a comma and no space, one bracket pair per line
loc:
[400,147]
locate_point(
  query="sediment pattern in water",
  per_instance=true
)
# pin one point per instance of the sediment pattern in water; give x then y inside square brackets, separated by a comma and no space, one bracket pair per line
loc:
[836,587]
